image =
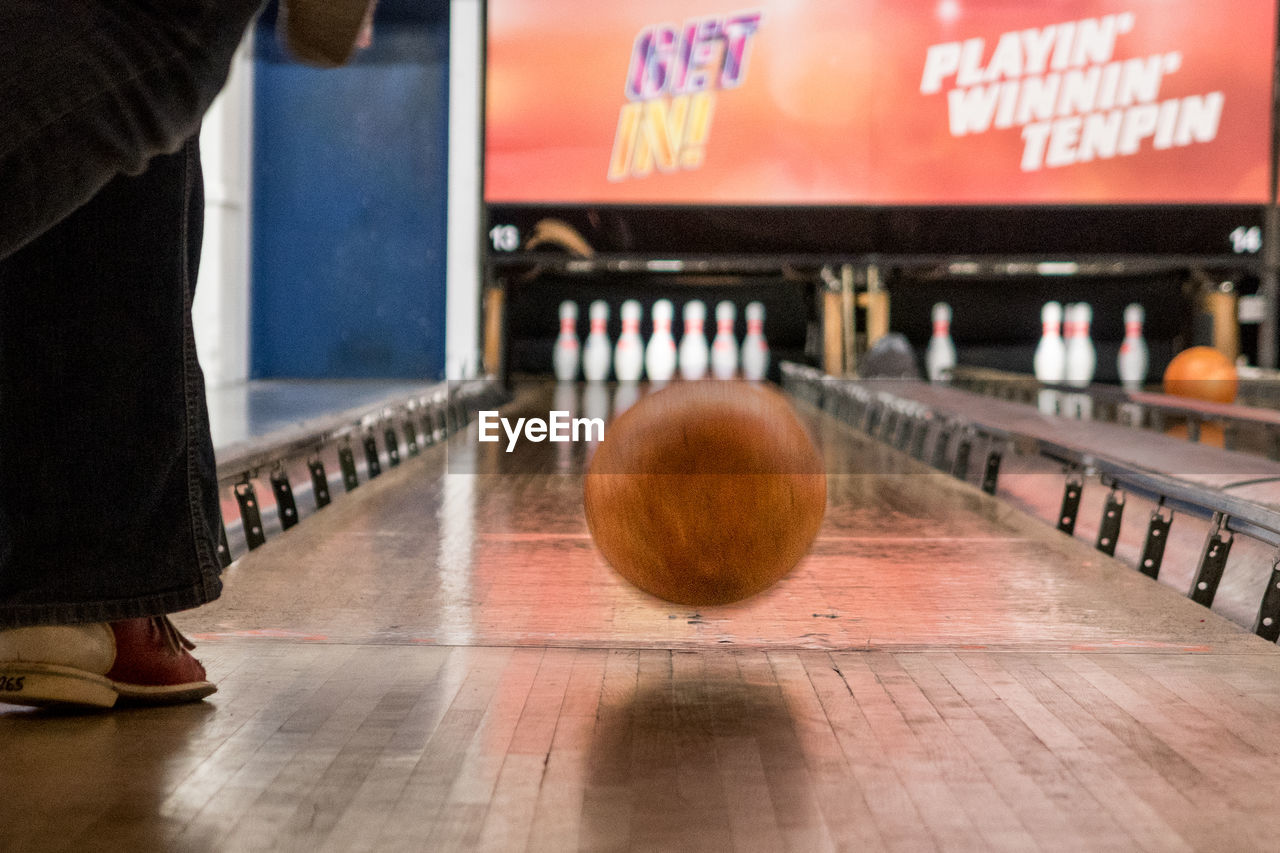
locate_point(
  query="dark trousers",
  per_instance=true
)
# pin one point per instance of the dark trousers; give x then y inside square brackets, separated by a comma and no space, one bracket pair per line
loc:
[108,494]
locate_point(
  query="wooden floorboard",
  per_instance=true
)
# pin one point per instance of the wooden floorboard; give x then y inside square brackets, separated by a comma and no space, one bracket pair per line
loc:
[442,662]
[523,748]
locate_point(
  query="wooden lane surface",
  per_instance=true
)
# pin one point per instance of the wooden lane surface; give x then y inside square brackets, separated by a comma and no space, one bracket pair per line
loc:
[439,662]
[433,554]
[388,748]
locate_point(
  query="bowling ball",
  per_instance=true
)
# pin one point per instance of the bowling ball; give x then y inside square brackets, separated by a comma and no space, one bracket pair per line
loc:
[1201,373]
[890,358]
[705,493]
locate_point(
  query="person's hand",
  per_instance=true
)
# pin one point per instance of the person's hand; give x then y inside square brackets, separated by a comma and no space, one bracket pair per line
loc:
[326,33]
[365,38]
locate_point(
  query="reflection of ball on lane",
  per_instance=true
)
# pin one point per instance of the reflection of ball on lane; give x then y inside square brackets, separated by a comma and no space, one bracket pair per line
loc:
[1201,373]
[705,492]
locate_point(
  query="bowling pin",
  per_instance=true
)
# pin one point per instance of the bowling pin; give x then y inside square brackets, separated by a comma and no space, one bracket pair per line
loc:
[1069,317]
[1050,361]
[567,353]
[724,349]
[1132,362]
[693,343]
[940,356]
[1081,357]
[628,355]
[660,352]
[1068,404]
[598,353]
[755,349]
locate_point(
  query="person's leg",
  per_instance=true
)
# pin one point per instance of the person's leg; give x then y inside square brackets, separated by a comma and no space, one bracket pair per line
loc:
[90,89]
[108,496]
[108,490]
[108,501]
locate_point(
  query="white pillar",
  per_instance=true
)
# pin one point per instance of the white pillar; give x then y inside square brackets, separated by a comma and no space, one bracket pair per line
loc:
[463,265]
[221,309]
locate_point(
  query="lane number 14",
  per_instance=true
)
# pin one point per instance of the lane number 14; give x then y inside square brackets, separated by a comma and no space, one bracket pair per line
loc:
[1246,241]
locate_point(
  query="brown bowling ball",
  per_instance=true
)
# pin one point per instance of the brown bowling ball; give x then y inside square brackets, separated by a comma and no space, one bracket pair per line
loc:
[1202,373]
[706,492]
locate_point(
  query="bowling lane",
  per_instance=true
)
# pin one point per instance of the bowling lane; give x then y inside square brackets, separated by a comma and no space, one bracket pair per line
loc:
[441,662]
[472,545]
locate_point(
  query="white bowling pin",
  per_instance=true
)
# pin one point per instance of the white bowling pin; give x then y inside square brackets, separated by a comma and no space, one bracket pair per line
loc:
[1132,362]
[1070,318]
[940,356]
[693,343]
[628,354]
[567,353]
[755,349]
[724,349]
[598,352]
[1050,361]
[660,352]
[1082,358]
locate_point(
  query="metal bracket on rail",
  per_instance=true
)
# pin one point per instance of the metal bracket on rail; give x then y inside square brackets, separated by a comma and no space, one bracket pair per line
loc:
[428,427]
[831,400]
[319,481]
[888,427]
[902,434]
[871,417]
[941,442]
[860,406]
[1109,526]
[393,444]
[250,513]
[1157,536]
[991,470]
[286,506]
[960,465]
[371,455]
[1071,502]
[347,462]
[919,435]
[1267,625]
[455,415]
[835,400]
[411,435]
[1213,560]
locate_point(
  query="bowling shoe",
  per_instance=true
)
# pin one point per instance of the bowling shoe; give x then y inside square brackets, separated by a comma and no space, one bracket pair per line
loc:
[143,661]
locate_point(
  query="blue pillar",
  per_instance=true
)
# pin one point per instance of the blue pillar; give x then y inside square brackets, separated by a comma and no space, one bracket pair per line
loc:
[349,205]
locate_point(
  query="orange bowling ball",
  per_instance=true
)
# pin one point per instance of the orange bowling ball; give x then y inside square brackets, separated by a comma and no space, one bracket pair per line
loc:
[706,492]
[1201,373]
